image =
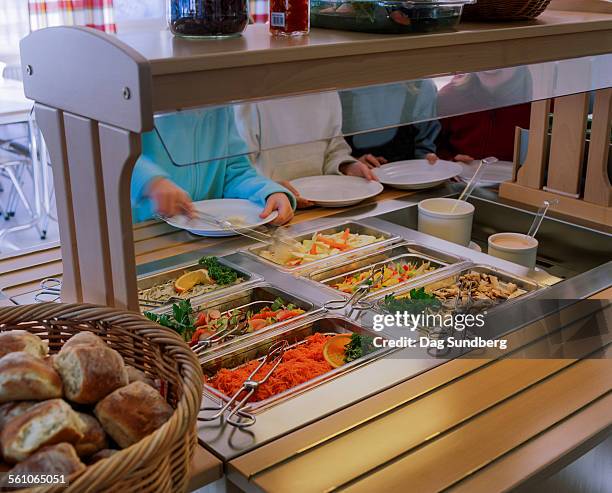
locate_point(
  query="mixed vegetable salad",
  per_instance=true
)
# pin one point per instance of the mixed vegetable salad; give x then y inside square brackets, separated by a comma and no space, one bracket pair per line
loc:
[318,247]
[392,274]
[211,322]
[195,327]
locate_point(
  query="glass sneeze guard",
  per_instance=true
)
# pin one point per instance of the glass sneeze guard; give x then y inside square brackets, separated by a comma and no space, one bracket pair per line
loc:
[250,128]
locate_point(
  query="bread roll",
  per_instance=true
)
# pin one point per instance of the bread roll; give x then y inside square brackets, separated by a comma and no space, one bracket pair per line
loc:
[94,438]
[84,338]
[130,413]
[12,410]
[102,454]
[13,341]
[90,372]
[46,423]
[54,459]
[135,375]
[26,377]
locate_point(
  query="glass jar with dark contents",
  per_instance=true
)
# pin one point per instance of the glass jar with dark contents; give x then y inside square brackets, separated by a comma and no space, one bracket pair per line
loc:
[208,18]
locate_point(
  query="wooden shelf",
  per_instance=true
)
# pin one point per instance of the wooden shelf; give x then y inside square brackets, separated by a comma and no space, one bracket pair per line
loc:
[165,73]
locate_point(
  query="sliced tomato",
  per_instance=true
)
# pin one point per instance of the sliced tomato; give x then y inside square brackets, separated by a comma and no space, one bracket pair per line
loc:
[264,314]
[313,249]
[257,324]
[202,319]
[287,314]
[201,334]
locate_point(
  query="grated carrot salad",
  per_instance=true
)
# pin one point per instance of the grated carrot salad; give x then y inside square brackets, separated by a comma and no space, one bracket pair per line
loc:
[299,365]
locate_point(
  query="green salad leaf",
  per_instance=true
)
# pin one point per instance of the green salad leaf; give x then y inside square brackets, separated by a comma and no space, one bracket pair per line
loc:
[359,346]
[418,301]
[181,320]
[221,274]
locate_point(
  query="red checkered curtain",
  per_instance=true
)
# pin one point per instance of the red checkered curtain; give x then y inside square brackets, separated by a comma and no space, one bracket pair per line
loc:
[98,14]
[259,11]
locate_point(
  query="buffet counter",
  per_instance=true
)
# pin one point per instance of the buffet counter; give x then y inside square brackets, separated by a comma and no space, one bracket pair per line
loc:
[490,405]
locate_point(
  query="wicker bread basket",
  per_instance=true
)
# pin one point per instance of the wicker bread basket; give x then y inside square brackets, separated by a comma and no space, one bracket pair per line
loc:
[504,10]
[160,462]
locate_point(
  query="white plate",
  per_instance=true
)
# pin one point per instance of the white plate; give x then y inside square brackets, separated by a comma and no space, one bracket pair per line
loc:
[416,174]
[222,209]
[336,190]
[492,176]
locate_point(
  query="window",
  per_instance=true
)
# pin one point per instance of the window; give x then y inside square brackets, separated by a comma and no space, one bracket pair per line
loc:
[140,14]
[14,25]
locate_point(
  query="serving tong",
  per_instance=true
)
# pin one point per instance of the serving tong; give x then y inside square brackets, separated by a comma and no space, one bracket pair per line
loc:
[356,300]
[49,287]
[237,329]
[237,416]
[253,234]
[147,303]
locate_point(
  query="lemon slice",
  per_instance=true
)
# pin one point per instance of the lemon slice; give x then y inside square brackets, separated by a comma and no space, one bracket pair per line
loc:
[333,351]
[190,279]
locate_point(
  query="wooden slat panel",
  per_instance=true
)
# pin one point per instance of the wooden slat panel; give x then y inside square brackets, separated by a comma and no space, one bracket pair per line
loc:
[567,144]
[597,188]
[531,458]
[205,468]
[489,436]
[531,173]
[30,259]
[419,422]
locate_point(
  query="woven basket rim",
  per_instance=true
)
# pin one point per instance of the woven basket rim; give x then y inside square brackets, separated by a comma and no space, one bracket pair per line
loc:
[189,371]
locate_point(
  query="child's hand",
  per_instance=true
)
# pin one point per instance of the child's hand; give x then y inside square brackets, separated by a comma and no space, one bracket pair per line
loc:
[302,203]
[373,161]
[463,158]
[432,158]
[278,202]
[169,199]
[357,168]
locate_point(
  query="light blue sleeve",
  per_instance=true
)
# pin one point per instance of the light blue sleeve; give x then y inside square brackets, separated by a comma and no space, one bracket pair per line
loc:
[425,138]
[146,167]
[242,180]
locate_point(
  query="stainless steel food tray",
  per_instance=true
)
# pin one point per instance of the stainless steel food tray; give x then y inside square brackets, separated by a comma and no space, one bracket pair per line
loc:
[153,279]
[355,227]
[294,334]
[253,298]
[406,251]
[528,285]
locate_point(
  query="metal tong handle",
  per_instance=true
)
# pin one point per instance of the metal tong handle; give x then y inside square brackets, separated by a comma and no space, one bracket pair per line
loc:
[219,336]
[356,298]
[250,386]
[50,286]
[246,231]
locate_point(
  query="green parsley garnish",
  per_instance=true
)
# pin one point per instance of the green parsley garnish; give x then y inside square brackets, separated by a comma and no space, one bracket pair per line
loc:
[359,346]
[221,274]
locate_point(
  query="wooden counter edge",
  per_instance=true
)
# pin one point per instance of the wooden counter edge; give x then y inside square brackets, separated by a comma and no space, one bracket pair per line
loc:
[205,469]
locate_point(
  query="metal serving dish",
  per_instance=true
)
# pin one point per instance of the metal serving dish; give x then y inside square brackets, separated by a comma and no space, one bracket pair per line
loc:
[355,227]
[438,281]
[408,252]
[294,335]
[149,281]
[252,298]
